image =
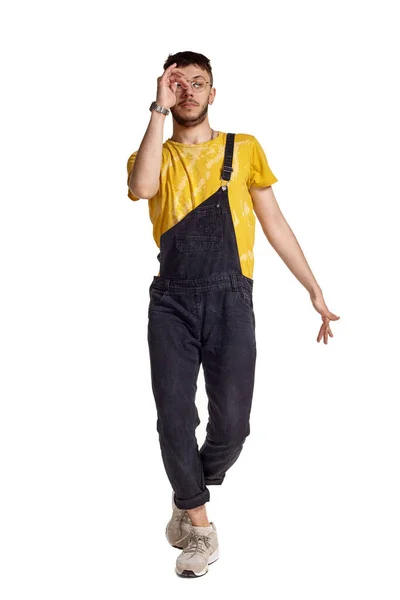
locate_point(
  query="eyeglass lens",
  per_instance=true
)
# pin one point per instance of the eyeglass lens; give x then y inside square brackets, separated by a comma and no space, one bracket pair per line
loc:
[198,85]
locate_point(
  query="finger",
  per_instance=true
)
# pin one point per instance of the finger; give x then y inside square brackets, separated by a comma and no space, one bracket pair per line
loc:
[178,71]
[168,71]
[176,78]
[179,78]
[322,333]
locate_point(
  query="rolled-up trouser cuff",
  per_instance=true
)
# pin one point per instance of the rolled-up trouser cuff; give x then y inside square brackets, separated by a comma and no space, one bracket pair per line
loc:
[194,501]
[214,481]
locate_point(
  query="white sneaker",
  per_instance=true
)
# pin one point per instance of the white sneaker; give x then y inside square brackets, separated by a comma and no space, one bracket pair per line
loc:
[201,550]
[178,527]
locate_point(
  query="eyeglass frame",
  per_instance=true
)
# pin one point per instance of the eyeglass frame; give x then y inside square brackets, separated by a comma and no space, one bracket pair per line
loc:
[191,81]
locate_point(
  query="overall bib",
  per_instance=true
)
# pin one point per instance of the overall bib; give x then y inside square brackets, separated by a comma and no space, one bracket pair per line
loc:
[201,312]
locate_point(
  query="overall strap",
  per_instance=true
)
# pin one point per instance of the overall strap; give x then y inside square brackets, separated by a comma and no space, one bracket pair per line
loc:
[227,167]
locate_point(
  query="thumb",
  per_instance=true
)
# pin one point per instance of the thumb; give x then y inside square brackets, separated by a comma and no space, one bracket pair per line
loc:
[333,317]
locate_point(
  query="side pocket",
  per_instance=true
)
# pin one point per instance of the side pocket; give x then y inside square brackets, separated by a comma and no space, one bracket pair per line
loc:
[245,297]
[156,295]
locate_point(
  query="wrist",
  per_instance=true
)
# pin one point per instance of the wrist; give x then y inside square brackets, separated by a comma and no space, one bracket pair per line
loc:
[315,291]
[156,107]
[157,115]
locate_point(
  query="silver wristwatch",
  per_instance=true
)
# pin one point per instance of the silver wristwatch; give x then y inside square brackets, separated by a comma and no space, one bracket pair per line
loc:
[158,108]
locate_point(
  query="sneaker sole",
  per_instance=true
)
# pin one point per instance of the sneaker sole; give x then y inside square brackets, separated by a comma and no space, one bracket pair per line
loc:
[189,573]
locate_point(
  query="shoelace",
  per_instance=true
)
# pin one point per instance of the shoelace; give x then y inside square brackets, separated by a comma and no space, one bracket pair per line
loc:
[196,543]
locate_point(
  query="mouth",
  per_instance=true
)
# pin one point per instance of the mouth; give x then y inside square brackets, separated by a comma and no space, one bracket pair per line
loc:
[188,104]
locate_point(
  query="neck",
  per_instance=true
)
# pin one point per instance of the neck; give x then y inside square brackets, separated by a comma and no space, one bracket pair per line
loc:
[193,135]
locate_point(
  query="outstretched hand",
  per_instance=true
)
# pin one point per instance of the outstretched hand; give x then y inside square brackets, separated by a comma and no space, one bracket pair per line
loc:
[320,306]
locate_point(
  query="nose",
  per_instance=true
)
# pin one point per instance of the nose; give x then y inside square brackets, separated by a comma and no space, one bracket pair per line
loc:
[187,94]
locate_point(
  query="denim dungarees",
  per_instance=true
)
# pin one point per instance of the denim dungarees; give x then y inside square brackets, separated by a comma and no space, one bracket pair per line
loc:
[201,312]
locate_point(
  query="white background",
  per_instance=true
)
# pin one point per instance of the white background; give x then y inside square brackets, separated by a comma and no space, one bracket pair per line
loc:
[310,510]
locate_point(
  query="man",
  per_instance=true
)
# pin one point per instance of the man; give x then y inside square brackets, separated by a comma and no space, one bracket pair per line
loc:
[202,186]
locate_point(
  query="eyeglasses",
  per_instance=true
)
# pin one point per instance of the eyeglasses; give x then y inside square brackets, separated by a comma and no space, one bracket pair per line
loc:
[198,85]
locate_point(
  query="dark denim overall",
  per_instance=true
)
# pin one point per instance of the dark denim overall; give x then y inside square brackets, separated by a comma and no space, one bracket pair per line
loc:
[201,312]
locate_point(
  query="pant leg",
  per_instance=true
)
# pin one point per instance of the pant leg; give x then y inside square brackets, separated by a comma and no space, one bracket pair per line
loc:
[175,358]
[229,359]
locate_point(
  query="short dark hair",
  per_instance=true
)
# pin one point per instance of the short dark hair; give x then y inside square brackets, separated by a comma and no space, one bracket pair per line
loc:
[184,59]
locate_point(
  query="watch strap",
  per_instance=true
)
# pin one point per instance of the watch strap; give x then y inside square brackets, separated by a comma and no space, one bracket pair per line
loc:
[158,108]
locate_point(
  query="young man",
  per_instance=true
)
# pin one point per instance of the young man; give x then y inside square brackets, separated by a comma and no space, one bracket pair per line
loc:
[202,186]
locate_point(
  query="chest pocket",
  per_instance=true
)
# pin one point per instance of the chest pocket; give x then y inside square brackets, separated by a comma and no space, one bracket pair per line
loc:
[200,230]
[207,220]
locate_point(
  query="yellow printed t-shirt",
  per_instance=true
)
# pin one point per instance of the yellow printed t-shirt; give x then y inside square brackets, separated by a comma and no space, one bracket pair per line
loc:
[191,173]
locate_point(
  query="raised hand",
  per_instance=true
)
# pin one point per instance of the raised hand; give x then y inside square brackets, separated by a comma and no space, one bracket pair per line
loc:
[166,89]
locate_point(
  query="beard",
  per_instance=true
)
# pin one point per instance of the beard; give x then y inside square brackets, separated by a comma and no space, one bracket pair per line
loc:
[190,121]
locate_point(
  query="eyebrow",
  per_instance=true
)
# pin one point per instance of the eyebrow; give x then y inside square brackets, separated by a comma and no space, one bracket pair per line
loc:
[194,76]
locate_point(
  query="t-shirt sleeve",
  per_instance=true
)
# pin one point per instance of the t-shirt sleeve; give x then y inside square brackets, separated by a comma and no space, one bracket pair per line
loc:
[260,174]
[129,167]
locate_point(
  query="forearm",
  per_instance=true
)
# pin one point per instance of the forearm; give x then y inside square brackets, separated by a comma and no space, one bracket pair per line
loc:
[284,242]
[144,179]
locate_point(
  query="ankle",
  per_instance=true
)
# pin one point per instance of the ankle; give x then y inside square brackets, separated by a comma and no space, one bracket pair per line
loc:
[198,516]
[200,523]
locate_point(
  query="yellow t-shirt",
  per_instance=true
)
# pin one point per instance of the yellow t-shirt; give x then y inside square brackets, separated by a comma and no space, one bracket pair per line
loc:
[191,173]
